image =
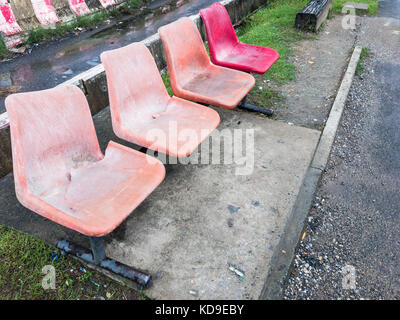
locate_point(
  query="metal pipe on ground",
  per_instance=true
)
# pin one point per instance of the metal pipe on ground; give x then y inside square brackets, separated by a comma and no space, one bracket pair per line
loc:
[98,257]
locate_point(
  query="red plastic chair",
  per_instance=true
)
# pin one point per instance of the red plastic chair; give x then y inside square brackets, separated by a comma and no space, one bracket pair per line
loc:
[143,112]
[225,48]
[61,174]
[191,72]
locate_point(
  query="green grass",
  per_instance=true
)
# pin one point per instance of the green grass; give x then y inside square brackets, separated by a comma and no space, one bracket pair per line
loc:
[3,49]
[167,83]
[360,65]
[337,6]
[271,27]
[88,21]
[135,3]
[264,96]
[21,261]
[41,34]
[274,27]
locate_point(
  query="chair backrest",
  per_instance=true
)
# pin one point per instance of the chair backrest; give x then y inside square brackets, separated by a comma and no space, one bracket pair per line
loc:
[184,50]
[135,87]
[52,131]
[221,35]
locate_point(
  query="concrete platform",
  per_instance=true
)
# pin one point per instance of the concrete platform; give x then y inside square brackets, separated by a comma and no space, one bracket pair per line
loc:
[203,218]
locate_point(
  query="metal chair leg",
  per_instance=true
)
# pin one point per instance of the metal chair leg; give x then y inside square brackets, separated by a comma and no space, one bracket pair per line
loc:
[251,107]
[98,257]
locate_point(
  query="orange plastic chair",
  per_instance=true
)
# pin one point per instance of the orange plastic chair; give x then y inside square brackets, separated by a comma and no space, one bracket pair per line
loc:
[142,111]
[61,174]
[192,74]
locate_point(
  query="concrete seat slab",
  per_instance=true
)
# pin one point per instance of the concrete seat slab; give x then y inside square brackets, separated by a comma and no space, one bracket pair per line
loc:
[203,218]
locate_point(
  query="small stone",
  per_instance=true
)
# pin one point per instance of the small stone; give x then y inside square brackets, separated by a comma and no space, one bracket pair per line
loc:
[233,209]
[193,292]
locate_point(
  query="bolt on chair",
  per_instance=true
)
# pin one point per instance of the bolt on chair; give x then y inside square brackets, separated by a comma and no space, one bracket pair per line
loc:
[225,48]
[142,111]
[61,174]
[191,72]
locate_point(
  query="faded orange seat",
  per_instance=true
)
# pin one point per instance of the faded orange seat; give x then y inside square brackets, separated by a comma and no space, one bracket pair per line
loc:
[59,170]
[142,111]
[191,72]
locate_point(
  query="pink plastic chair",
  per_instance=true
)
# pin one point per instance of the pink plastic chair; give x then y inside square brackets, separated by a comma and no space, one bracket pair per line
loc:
[61,174]
[191,72]
[225,48]
[142,111]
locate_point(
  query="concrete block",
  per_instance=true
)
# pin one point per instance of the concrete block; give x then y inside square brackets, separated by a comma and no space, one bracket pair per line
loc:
[8,23]
[94,5]
[96,90]
[107,3]
[313,15]
[24,13]
[5,152]
[63,10]
[356,5]
[79,7]
[45,12]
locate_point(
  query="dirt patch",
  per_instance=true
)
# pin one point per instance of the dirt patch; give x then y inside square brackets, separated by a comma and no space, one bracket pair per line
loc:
[319,68]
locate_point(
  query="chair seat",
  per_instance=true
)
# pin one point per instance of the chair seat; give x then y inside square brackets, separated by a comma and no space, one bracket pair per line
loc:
[193,76]
[97,197]
[249,58]
[218,86]
[142,111]
[176,131]
[225,48]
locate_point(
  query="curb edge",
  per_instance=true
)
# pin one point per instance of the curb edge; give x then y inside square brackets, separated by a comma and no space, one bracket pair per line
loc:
[281,263]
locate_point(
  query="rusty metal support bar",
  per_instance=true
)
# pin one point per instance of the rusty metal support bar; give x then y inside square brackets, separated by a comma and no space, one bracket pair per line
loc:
[98,257]
[251,107]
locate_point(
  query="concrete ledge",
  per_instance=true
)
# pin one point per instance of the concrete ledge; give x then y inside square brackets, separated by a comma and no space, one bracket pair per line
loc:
[205,216]
[284,253]
[329,133]
[94,83]
[94,4]
[63,10]
[313,15]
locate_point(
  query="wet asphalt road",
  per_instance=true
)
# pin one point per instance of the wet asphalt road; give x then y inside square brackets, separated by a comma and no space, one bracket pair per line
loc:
[55,62]
[355,218]
[389,8]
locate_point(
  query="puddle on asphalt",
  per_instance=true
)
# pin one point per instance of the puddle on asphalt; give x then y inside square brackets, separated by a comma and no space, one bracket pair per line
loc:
[389,9]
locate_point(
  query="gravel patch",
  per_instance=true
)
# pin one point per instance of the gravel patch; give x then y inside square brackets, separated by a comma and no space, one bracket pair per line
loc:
[354,220]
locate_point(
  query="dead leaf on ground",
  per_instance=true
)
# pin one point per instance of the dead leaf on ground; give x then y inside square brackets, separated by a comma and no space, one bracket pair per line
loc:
[4,92]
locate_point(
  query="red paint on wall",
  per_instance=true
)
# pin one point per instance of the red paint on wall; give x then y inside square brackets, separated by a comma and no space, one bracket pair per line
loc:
[45,12]
[8,24]
[79,7]
[107,3]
